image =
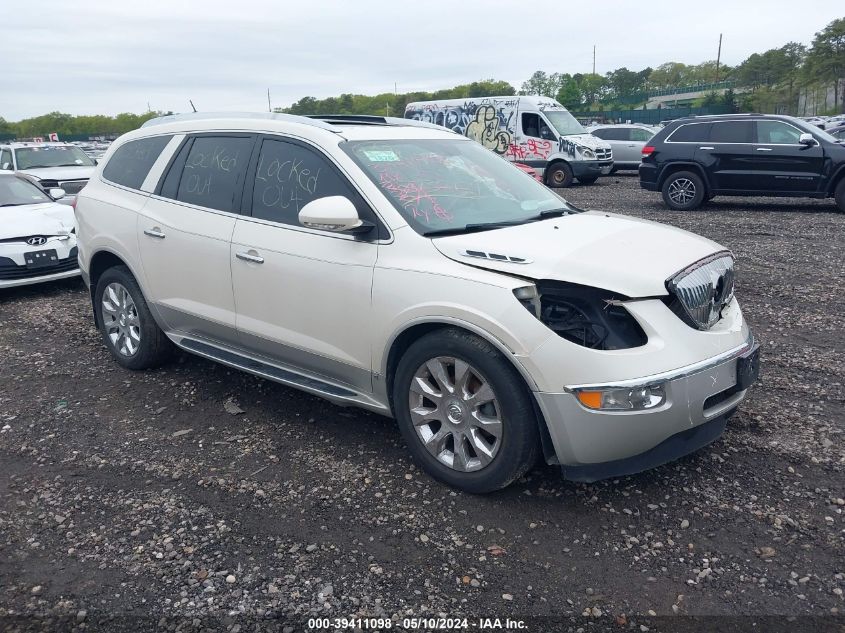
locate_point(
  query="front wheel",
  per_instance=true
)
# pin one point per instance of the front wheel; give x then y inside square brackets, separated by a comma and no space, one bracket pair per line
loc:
[839,195]
[683,191]
[465,412]
[559,175]
[126,324]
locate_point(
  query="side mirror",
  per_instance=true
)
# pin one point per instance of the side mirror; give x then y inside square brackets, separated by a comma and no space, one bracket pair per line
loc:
[56,193]
[333,213]
[6,166]
[807,139]
[96,161]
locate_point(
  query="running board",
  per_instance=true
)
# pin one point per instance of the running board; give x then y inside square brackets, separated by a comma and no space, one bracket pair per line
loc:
[335,393]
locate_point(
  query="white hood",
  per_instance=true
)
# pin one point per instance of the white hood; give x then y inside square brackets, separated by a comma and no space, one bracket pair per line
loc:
[60,173]
[587,140]
[603,250]
[45,219]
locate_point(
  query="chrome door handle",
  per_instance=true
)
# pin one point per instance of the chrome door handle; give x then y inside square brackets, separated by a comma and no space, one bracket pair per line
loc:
[764,149]
[249,257]
[156,232]
[708,147]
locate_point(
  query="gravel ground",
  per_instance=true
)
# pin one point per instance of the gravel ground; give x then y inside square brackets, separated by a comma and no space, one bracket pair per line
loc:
[196,497]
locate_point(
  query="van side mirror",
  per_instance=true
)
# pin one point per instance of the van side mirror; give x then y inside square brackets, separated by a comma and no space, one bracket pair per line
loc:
[333,213]
[6,166]
[57,193]
[807,139]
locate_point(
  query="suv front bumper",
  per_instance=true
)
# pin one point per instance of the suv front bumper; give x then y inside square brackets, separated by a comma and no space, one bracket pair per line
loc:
[594,444]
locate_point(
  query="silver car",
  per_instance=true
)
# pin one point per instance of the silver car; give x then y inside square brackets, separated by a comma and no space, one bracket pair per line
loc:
[627,142]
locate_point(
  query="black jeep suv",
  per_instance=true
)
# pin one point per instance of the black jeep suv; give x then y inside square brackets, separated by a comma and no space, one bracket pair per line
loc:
[691,160]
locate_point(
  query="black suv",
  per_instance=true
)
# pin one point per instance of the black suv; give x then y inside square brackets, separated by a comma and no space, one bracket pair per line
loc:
[691,160]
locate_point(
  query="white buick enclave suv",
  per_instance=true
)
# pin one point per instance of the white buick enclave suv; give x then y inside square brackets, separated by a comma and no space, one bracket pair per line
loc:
[395,266]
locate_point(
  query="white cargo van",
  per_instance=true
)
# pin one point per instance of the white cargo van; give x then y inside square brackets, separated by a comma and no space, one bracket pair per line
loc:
[534,131]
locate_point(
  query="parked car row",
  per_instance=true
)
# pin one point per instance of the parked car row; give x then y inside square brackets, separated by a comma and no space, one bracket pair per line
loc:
[825,122]
[49,165]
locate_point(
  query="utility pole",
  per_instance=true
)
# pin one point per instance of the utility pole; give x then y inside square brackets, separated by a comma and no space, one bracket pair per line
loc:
[269,107]
[718,57]
[594,59]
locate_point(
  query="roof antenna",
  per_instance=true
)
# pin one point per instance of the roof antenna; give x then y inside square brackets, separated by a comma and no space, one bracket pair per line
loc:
[192,105]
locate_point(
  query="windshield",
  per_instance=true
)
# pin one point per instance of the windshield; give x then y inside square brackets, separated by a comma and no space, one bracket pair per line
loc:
[564,122]
[452,185]
[17,191]
[52,156]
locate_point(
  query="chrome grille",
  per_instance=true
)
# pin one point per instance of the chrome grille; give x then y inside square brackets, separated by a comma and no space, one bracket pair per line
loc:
[604,154]
[704,289]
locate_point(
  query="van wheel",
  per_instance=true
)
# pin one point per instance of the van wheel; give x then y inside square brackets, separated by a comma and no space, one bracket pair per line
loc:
[559,175]
[465,412]
[839,195]
[683,190]
[587,180]
[126,324]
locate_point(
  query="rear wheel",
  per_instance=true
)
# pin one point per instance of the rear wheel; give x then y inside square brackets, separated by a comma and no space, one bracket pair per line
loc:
[464,412]
[587,180]
[683,190]
[559,175]
[839,195]
[126,324]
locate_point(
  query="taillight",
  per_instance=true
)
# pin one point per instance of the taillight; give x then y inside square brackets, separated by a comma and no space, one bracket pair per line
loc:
[648,150]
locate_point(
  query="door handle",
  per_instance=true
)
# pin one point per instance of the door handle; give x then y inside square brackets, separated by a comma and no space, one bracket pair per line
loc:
[249,257]
[708,147]
[154,232]
[764,149]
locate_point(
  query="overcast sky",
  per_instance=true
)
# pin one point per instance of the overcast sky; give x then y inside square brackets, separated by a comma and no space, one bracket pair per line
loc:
[110,56]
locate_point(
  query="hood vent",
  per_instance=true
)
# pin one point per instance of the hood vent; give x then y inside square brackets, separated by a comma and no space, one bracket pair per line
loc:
[496,257]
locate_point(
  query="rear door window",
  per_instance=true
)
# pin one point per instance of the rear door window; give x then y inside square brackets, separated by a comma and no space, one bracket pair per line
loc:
[690,133]
[131,162]
[210,172]
[613,133]
[731,132]
[640,135]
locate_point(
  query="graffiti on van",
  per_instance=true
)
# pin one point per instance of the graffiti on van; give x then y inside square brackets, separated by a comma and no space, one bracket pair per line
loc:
[531,148]
[484,121]
[565,146]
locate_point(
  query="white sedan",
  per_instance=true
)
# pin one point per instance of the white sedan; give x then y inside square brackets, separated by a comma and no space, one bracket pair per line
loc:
[37,235]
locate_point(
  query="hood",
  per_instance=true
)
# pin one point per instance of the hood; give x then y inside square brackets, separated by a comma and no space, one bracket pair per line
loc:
[60,173]
[614,252]
[587,140]
[48,218]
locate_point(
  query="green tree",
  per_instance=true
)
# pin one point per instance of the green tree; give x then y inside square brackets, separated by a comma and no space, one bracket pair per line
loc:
[825,61]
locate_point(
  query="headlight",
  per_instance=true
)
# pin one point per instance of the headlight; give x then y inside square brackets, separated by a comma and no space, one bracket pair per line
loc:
[589,317]
[704,289]
[625,399]
[588,153]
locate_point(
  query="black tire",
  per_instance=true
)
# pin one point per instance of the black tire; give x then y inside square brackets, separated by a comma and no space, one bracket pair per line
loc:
[683,191]
[587,180]
[154,348]
[559,175]
[839,195]
[518,444]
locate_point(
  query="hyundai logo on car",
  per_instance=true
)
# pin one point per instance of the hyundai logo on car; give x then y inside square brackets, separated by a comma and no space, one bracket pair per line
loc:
[36,241]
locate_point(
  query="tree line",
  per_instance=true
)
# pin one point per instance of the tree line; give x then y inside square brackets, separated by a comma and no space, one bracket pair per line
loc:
[764,81]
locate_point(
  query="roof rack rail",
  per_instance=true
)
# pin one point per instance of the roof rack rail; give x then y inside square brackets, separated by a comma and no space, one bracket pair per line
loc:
[273,116]
[713,116]
[371,119]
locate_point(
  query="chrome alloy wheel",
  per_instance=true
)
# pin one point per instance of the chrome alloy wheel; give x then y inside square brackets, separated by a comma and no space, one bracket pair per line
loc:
[455,413]
[681,191]
[120,319]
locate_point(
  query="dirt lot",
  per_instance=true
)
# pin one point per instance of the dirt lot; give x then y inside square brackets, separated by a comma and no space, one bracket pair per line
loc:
[195,496]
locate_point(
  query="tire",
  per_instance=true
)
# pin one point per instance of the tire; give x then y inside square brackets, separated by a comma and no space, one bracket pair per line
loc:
[559,175]
[839,195]
[126,324]
[683,191]
[475,457]
[587,180]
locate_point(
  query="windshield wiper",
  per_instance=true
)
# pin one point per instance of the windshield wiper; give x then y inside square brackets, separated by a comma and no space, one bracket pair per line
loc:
[15,204]
[472,228]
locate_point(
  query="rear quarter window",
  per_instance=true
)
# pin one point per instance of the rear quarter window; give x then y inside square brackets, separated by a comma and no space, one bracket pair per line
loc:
[131,162]
[690,133]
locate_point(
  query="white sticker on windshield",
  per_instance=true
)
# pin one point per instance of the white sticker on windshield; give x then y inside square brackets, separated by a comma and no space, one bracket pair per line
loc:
[381,155]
